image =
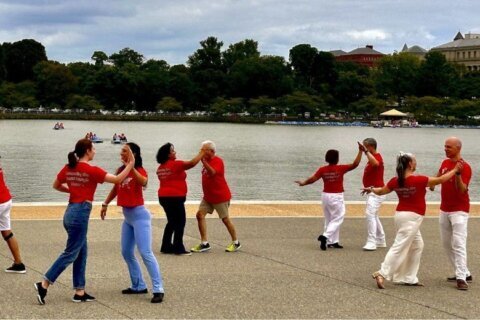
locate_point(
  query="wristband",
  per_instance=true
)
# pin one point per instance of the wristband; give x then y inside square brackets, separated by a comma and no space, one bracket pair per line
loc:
[104,205]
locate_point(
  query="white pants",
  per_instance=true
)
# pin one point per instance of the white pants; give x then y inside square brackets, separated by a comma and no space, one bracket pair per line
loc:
[453,231]
[334,212]
[5,215]
[403,259]
[375,233]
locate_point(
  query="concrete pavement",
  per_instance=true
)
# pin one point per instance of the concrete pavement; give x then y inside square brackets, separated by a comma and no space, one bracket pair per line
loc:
[279,273]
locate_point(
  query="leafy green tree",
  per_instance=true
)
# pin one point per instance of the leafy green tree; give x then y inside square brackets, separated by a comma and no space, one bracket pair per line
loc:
[221,106]
[323,72]
[425,108]
[468,86]
[302,59]
[153,83]
[239,51]
[352,87]
[397,76]
[76,101]
[169,104]
[55,82]
[3,70]
[100,58]
[85,73]
[254,77]
[368,106]
[261,105]
[182,87]
[437,76]
[125,56]
[20,94]
[21,57]
[299,102]
[209,56]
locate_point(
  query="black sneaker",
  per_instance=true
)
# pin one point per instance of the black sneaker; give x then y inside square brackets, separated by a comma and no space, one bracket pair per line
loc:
[157,297]
[453,279]
[323,242]
[131,291]
[85,298]
[335,245]
[41,292]
[16,268]
[183,253]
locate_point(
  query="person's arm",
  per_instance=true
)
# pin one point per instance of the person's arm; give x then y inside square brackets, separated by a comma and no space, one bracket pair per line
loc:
[310,180]
[378,191]
[356,162]
[141,179]
[462,187]
[62,187]
[110,197]
[433,181]
[432,188]
[192,163]
[211,171]
[111,178]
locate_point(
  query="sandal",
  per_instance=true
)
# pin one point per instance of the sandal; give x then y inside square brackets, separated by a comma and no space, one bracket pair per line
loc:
[379,279]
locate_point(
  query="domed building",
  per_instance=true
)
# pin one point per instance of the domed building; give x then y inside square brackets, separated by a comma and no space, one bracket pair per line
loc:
[415,50]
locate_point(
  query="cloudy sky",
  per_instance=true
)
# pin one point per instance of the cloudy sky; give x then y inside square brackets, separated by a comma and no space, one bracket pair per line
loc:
[171,30]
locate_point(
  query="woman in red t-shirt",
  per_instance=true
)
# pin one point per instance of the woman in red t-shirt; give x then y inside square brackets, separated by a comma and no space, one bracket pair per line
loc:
[172,194]
[332,197]
[403,259]
[136,227]
[6,229]
[79,179]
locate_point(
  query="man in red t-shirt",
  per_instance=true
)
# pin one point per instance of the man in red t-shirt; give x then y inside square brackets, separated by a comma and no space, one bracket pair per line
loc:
[216,196]
[373,177]
[454,209]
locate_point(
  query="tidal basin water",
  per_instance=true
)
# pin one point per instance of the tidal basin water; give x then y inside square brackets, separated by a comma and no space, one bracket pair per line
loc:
[262,161]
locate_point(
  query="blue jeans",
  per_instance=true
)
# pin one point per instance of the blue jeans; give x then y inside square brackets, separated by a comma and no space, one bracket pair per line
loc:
[75,222]
[137,230]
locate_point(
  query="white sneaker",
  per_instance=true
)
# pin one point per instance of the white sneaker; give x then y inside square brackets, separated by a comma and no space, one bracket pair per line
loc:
[370,247]
[381,244]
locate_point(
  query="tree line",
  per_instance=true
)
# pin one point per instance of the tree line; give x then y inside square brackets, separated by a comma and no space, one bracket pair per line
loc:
[239,79]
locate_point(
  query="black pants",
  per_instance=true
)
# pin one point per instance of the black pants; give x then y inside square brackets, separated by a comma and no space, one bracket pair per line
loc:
[174,208]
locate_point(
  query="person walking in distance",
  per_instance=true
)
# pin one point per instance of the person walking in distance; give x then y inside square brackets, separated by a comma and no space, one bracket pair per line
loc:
[136,227]
[332,196]
[79,179]
[172,195]
[373,177]
[5,227]
[402,260]
[454,210]
[216,196]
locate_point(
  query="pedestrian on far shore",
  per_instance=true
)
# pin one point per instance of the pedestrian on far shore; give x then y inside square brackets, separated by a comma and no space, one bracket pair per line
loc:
[79,179]
[373,177]
[454,209]
[172,195]
[6,229]
[402,261]
[332,196]
[136,227]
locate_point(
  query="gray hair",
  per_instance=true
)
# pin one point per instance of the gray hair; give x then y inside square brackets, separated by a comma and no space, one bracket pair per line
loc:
[370,142]
[210,144]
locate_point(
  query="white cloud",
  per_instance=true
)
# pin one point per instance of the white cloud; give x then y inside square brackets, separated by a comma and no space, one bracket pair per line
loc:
[368,35]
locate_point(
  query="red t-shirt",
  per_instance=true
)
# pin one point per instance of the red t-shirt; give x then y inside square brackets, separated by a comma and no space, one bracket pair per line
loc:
[332,176]
[373,176]
[4,192]
[411,197]
[82,181]
[452,199]
[173,179]
[215,187]
[129,191]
